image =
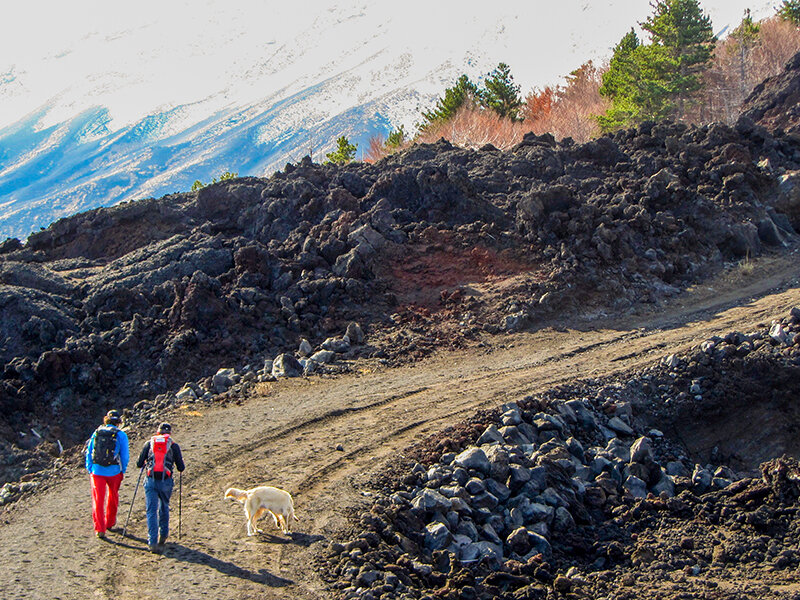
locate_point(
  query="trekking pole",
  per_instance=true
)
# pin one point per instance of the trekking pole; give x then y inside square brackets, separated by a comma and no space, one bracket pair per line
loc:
[180,497]
[130,510]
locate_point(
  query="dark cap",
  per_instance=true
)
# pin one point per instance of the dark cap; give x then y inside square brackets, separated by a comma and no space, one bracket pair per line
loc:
[114,416]
[164,428]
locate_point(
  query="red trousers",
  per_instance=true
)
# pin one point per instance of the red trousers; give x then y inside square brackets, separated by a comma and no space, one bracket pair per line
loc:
[105,515]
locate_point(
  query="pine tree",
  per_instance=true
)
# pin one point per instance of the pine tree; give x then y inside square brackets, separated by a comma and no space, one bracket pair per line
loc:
[224,176]
[789,10]
[396,138]
[621,84]
[501,94]
[657,80]
[345,152]
[682,45]
[463,92]
[747,31]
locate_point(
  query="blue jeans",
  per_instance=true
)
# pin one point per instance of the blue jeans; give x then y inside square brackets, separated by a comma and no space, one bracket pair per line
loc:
[156,494]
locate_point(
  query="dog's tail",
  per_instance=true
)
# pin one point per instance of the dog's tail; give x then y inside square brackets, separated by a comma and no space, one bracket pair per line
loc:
[236,494]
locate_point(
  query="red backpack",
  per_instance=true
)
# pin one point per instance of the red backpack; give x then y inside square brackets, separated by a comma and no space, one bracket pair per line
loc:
[160,457]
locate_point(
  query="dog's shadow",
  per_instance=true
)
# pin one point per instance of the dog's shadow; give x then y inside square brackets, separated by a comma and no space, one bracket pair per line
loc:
[299,539]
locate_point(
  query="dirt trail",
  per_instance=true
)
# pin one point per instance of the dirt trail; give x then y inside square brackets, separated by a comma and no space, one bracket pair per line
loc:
[288,436]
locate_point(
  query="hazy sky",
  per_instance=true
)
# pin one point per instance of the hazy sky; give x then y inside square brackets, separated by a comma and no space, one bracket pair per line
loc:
[148,54]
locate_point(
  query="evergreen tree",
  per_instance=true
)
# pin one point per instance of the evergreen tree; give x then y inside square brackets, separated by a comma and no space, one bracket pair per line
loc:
[345,152]
[224,176]
[746,34]
[789,10]
[395,138]
[657,80]
[682,45]
[621,85]
[501,94]
[464,91]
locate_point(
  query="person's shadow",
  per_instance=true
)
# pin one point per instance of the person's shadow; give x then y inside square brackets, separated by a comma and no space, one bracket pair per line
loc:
[184,553]
[262,576]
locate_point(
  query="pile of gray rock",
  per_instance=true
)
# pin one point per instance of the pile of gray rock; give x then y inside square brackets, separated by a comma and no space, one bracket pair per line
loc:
[562,479]
[526,482]
[308,360]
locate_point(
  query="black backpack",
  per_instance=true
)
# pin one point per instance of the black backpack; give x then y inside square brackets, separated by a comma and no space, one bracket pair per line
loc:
[105,446]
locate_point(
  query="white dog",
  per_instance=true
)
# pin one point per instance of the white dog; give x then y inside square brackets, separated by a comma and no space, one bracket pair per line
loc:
[262,499]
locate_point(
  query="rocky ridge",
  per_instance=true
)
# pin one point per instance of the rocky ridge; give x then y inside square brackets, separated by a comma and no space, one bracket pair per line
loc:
[433,247]
[428,248]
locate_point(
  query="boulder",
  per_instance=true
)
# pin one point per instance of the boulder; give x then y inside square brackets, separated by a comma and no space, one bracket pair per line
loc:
[539,544]
[286,365]
[778,333]
[431,501]
[186,394]
[354,333]
[489,551]
[642,451]
[473,458]
[562,520]
[619,426]
[498,459]
[223,379]
[519,541]
[305,348]
[665,485]
[635,486]
[337,344]
[490,436]
[702,478]
[512,435]
[323,356]
[437,536]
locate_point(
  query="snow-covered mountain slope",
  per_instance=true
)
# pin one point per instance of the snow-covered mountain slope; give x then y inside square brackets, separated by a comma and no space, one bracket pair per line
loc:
[319,80]
[145,100]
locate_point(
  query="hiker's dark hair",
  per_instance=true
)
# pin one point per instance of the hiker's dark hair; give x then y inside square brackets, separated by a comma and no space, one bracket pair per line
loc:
[114,417]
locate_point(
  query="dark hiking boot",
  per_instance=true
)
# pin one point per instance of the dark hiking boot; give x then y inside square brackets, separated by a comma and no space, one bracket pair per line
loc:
[154,549]
[101,534]
[162,539]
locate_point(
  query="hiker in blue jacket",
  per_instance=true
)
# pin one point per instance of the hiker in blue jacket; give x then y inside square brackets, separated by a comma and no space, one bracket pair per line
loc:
[107,457]
[161,455]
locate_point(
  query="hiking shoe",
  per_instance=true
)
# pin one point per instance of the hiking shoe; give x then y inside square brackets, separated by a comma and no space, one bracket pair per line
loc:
[162,539]
[154,549]
[101,534]
[115,529]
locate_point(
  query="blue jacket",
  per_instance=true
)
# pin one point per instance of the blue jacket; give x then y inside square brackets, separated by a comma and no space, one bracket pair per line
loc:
[122,453]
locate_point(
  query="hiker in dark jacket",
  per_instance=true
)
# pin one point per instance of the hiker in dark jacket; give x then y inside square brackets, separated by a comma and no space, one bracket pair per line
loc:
[162,456]
[106,460]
